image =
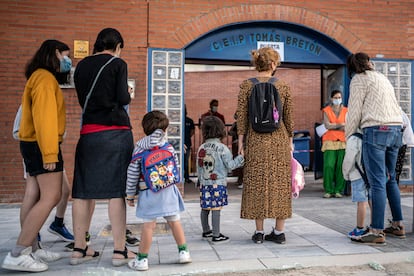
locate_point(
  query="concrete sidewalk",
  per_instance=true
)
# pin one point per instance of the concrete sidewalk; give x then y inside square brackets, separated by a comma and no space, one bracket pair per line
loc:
[316,236]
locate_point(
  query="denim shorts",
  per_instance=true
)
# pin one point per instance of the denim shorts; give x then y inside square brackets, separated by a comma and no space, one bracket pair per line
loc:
[360,192]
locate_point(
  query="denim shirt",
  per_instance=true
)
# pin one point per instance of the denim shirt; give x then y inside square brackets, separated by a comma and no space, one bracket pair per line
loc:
[215,161]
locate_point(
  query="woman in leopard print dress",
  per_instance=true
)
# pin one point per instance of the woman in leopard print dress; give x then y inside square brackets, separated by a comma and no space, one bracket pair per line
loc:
[267,170]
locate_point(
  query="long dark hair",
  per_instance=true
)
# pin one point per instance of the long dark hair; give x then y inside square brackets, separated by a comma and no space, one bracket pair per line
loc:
[358,63]
[45,58]
[108,39]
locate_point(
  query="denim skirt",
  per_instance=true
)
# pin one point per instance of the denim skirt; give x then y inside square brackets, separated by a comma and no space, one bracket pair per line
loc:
[101,164]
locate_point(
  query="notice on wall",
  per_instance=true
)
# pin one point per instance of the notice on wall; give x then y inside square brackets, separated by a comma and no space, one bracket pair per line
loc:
[278,46]
[80,48]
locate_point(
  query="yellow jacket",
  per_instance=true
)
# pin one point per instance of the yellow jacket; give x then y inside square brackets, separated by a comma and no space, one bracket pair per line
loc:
[43,114]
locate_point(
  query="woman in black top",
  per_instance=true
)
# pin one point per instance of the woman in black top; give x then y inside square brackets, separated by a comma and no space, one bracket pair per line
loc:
[105,145]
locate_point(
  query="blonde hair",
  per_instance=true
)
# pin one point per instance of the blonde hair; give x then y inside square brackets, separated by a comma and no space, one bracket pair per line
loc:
[262,58]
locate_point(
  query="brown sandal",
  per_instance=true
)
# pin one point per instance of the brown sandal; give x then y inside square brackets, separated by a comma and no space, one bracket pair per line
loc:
[125,260]
[84,258]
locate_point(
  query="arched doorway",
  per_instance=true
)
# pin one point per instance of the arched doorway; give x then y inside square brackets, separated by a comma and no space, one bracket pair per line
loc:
[223,55]
[307,54]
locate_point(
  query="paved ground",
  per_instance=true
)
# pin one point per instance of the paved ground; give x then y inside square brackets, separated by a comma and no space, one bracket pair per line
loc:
[316,236]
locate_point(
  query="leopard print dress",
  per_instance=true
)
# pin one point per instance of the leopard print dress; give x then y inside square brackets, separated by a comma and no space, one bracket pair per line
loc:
[267,171]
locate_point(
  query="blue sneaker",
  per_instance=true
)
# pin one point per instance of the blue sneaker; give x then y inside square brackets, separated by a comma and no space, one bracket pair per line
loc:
[62,232]
[357,232]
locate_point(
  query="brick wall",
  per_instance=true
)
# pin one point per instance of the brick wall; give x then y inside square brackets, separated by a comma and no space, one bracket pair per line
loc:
[375,27]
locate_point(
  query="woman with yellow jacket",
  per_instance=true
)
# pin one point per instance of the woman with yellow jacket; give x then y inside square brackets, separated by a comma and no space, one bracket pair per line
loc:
[41,132]
[333,146]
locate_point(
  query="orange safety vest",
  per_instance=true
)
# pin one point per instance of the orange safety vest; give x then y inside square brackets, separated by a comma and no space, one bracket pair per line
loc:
[332,134]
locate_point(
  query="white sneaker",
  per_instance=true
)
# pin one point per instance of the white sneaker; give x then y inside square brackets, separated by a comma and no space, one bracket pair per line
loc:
[25,262]
[139,265]
[184,257]
[46,256]
[240,186]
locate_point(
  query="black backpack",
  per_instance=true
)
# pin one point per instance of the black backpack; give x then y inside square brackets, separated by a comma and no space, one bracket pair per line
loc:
[265,107]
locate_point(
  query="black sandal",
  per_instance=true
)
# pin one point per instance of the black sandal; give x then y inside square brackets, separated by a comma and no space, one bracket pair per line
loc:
[125,260]
[84,258]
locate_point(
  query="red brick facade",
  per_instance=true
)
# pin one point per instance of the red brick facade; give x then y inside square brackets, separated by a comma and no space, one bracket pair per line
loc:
[372,26]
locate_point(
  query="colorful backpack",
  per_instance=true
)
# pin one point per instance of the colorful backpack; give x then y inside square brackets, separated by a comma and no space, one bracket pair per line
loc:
[159,168]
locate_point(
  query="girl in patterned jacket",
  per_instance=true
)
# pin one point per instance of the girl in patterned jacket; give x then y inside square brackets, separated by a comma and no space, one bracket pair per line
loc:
[214,161]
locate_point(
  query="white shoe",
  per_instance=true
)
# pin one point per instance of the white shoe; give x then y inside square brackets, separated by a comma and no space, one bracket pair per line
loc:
[25,262]
[139,265]
[240,186]
[184,257]
[46,256]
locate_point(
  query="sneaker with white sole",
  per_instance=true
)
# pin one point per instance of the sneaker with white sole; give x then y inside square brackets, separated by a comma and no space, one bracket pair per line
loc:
[220,239]
[370,238]
[277,238]
[184,257]
[140,265]
[207,235]
[24,262]
[61,231]
[258,237]
[46,256]
[356,232]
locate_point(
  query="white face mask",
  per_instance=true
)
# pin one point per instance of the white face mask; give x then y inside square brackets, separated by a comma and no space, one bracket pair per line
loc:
[337,101]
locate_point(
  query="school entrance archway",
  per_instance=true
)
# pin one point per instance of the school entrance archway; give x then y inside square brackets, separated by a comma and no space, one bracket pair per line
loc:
[300,48]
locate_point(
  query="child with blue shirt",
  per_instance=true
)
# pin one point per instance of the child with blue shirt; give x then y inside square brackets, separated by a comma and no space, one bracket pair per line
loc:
[353,171]
[214,162]
[166,203]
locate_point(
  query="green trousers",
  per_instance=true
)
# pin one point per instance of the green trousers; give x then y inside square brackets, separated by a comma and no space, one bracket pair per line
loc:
[333,179]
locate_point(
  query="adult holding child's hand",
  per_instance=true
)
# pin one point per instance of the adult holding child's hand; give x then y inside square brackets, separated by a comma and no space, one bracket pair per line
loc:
[267,171]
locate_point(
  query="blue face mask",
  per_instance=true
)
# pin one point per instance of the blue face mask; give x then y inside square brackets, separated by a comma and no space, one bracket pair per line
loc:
[337,101]
[65,64]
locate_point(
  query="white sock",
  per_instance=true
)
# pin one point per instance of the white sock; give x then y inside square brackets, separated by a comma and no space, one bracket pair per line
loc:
[261,232]
[277,232]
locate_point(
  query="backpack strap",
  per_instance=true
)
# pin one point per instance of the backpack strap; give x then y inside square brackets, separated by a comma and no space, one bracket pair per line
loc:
[358,135]
[272,80]
[254,81]
[276,97]
[94,82]
[361,170]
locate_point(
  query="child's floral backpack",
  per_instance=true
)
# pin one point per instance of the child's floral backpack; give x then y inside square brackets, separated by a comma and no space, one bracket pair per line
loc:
[159,168]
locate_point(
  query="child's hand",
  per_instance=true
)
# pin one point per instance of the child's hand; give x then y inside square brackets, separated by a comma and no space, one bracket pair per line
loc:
[241,151]
[131,202]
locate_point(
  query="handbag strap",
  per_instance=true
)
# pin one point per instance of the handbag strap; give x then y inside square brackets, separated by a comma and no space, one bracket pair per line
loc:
[94,82]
